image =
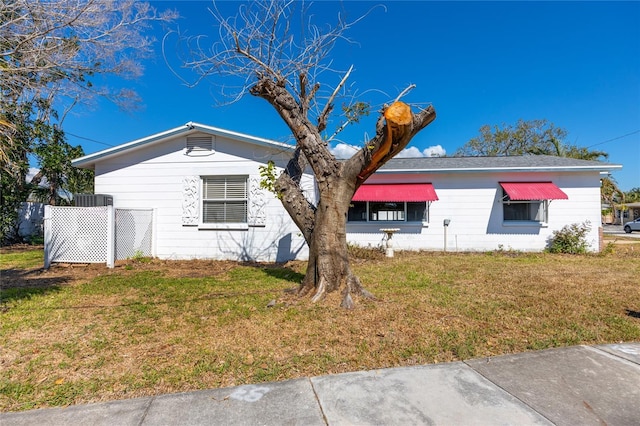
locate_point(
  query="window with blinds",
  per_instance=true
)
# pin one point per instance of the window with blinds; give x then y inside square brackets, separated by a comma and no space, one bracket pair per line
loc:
[224,199]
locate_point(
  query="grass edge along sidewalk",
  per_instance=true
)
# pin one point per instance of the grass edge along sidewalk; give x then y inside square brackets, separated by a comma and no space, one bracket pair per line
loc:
[83,333]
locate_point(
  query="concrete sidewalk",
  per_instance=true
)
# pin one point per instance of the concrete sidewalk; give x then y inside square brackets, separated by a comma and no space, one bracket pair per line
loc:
[579,385]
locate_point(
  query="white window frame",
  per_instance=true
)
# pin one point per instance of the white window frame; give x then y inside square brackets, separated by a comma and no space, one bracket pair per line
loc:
[223,200]
[403,213]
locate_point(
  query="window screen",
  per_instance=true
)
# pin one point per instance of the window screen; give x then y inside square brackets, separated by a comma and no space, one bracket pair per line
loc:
[224,199]
[532,211]
[369,211]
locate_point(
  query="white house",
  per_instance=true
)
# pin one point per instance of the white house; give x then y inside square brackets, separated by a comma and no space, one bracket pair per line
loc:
[203,184]
[489,203]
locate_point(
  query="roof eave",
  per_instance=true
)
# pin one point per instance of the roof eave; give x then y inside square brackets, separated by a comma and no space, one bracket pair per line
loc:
[240,136]
[603,169]
[88,161]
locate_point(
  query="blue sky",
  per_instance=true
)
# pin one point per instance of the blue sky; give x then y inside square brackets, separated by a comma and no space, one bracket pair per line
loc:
[576,64]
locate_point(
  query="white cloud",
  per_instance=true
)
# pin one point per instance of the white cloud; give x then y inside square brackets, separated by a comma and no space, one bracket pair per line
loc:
[435,151]
[344,151]
[413,152]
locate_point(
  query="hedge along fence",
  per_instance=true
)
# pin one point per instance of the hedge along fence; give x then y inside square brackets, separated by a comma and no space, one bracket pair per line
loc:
[96,234]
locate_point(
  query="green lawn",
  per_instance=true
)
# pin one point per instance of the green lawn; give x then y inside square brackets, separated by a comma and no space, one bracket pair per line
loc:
[84,333]
[24,258]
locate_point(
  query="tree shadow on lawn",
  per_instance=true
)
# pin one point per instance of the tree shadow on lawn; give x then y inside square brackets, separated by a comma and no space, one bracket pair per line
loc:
[20,284]
[633,314]
[283,273]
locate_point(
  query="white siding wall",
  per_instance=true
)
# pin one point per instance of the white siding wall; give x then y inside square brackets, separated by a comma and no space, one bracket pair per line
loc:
[152,177]
[472,202]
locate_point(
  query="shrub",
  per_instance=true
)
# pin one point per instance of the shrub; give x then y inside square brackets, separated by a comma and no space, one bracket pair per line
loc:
[570,239]
[365,253]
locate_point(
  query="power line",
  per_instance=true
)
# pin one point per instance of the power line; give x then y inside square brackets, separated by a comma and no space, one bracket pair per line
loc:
[88,139]
[615,139]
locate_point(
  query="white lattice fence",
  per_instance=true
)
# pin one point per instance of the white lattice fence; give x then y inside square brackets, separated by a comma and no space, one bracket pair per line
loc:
[77,234]
[96,234]
[134,233]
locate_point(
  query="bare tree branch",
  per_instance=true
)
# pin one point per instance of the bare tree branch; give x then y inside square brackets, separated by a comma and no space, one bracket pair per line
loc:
[260,50]
[405,91]
[53,49]
[259,41]
[322,119]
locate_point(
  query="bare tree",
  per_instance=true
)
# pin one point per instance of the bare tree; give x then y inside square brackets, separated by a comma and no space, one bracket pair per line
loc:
[54,48]
[259,50]
[52,51]
[51,56]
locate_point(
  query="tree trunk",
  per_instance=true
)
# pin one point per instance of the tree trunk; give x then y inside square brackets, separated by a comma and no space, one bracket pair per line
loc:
[324,226]
[328,267]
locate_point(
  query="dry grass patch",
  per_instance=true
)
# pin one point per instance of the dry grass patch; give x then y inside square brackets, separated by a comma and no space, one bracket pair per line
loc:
[82,333]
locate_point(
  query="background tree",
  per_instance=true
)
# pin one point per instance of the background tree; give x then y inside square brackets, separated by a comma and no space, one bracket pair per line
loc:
[14,188]
[269,57]
[525,137]
[51,53]
[611,195]
[633,195]
[538,137]
[57,180]
[583,153]
[53,50]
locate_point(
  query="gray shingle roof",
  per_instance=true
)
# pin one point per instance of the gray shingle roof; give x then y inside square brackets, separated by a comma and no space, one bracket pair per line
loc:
[395,165]
[507,163]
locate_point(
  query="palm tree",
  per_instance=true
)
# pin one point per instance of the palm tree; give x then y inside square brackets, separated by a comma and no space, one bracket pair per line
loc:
[633,195]
[609,193]
[612,195]
[561,149]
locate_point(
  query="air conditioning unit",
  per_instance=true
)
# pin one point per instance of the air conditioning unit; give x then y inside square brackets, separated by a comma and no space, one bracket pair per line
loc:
[93,200]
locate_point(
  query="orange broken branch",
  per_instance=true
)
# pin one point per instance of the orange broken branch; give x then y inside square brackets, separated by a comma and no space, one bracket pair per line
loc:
[397,114]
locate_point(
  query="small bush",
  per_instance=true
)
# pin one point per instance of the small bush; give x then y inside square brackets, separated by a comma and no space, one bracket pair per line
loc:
[610,248]
[570,239]
[139,257]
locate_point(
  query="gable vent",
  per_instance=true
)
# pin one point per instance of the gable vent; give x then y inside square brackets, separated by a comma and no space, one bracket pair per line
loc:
[199,143]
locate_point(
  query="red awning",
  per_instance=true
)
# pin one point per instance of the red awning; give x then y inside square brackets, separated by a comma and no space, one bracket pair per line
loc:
[533,191]
[396,192]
